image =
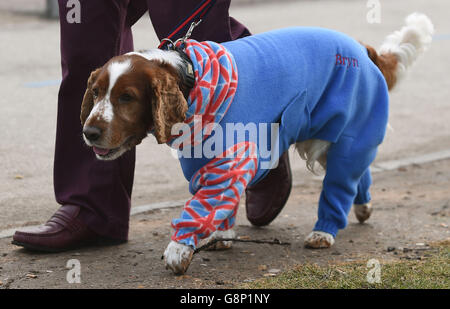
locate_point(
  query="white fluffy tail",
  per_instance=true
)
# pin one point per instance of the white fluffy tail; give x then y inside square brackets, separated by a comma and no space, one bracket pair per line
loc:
[409,42]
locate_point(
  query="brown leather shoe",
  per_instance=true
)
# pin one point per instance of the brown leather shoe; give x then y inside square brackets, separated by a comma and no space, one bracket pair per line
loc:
[266,199]
[62,232]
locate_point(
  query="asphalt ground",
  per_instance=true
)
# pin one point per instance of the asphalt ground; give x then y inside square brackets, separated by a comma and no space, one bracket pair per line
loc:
[411,213]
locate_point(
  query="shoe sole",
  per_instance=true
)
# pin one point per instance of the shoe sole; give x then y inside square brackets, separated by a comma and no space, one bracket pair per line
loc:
[260,222]
[274,216]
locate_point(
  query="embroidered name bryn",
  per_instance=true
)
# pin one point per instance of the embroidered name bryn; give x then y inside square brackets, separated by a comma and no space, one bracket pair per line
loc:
[346,61]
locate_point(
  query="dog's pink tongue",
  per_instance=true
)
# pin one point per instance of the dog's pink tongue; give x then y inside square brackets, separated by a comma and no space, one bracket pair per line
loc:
[100,151]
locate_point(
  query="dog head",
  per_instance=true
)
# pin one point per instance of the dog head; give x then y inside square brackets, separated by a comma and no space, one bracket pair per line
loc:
[129,96]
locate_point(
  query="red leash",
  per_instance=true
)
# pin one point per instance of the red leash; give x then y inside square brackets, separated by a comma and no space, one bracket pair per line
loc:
[192,20]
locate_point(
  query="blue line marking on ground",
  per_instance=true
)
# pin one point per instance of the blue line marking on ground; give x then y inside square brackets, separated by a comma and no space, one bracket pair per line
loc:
[441,37]
[44,83]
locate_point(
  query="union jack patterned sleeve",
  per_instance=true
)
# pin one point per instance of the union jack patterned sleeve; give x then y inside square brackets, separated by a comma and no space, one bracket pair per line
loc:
[218,186]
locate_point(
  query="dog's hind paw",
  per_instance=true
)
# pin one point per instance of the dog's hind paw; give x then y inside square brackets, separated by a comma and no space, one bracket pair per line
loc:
[178,257]
[362,211]
[319,240]
[220,245]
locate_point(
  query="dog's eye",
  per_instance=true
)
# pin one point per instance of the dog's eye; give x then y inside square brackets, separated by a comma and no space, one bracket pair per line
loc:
[125,98]
[95,93]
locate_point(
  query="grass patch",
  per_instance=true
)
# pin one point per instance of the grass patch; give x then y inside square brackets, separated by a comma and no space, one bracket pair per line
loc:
[431,272]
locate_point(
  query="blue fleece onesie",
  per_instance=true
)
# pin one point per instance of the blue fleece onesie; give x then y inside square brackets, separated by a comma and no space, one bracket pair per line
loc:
[315,84]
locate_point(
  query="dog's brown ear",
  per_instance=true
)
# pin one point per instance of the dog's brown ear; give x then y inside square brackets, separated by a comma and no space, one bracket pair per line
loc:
[387,63]
[88,99]
[168,104]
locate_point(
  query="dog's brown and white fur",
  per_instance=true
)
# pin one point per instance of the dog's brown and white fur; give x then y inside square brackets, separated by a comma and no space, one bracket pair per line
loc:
[138,92]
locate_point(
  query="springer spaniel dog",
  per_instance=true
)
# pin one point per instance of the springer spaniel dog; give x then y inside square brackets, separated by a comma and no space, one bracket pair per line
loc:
[232,109]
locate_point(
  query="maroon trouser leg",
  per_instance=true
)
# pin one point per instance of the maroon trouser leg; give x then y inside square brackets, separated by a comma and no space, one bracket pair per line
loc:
[103,189]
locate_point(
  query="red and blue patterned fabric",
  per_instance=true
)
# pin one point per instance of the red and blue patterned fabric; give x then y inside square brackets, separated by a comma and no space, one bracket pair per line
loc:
[218,187]
[216,79]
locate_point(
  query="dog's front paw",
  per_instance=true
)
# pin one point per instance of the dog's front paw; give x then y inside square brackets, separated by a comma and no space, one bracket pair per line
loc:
[178,257]
[217,244]
[362,211]
[319,240]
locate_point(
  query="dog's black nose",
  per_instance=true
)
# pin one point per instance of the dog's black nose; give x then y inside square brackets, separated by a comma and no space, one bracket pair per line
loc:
[92,133]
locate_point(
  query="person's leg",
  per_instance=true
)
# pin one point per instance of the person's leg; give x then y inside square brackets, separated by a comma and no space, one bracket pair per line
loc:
[136,9]
[95,195]
[217,26]
[102,189]
[266,199]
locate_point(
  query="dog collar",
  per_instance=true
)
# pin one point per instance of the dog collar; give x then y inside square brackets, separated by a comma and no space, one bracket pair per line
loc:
[187,72]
